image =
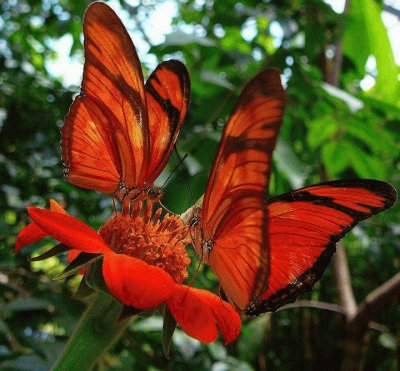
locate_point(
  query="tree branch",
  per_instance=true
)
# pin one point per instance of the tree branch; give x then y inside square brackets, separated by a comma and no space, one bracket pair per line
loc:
[343,282]
[376,301]
[315,305]
[334,76]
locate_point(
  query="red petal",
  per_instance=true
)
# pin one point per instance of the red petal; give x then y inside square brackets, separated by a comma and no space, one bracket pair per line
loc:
[228,320]
[68,230]
[30,234]
[56,207]
[200,313]
[135,282]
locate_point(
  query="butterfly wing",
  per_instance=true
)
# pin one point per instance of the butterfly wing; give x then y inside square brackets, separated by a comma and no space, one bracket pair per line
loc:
[167,95]
[105,135]
[303,228]
[234,209]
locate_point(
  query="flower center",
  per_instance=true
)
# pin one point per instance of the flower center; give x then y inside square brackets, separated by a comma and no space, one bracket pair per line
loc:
[159,241]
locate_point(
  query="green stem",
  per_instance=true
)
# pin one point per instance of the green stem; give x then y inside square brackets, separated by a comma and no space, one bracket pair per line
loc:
[95,333]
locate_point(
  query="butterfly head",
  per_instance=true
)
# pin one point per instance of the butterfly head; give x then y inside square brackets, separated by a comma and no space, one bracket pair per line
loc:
[154,193]
[194,221]
[192,217]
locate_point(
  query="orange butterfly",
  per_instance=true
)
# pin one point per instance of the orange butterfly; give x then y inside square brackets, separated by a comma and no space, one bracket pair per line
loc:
[119,133]
[230,234]
[266,253]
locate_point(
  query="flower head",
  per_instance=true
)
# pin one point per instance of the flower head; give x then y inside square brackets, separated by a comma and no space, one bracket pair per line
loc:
[144,264]
[144,235]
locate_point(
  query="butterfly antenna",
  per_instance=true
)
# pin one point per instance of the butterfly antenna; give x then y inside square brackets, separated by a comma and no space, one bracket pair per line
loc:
[166,208]
[219,292]
[172,172]
[195,273]
[115,206]
[184,172]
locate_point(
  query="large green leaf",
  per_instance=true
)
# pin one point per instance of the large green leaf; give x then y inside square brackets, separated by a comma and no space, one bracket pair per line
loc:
[365,35]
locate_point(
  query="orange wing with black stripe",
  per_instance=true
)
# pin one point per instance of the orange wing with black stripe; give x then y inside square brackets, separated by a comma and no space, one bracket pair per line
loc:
[232,234]
[118,133]
[167,96]
[303,228]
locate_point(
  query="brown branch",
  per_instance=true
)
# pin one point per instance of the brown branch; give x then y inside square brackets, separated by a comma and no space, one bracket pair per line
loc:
[376,301]
[343,282]
[314,305]
[355,340]
[334,76]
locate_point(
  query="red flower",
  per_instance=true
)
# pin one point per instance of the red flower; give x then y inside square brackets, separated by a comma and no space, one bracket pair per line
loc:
[144,264]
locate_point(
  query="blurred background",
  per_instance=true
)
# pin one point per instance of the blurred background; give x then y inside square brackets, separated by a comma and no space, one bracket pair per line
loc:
[340,65]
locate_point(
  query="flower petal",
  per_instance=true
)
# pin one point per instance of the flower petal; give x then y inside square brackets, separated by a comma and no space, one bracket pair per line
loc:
[56,207]
[200,313]
[135,282]
[32,233]
[68,230]
[228,320]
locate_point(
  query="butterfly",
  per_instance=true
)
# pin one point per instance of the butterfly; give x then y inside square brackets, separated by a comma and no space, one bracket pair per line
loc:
[229,231]
[119,132]
[265,253]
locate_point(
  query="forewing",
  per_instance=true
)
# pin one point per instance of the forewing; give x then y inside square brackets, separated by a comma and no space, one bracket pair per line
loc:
[234,213]
[113,80]
[303,228]
[167,95]
[89,147]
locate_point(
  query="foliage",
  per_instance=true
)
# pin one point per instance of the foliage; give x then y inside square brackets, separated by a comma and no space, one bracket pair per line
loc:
[328,132]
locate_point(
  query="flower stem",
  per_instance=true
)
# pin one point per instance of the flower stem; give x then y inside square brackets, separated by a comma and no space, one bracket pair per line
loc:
[97,330]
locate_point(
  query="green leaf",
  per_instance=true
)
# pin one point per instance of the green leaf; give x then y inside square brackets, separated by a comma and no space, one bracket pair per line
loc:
[368,134]
[320,130]
[83,291]
[128,311]
[25,304]
[94,276]
[169,327]
[289,164]
[335,157]
[365,165]
[81,261]
[388,341]
[365,35]
[58,249]
[4,329]
[251,339]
